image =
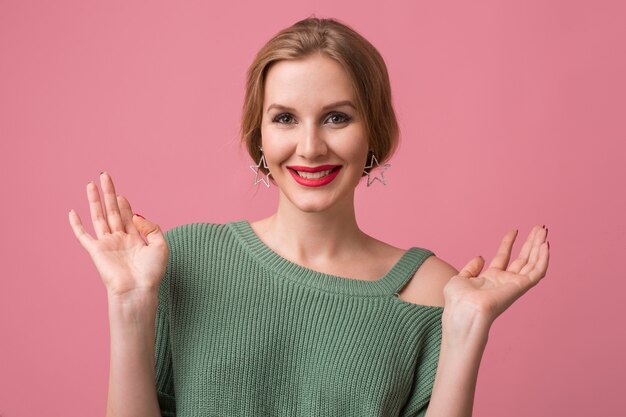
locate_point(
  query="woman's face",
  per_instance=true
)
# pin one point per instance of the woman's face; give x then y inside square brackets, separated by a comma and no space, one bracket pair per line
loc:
[313,139]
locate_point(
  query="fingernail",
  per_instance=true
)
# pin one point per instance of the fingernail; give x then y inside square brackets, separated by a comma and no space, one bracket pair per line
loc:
[137,214]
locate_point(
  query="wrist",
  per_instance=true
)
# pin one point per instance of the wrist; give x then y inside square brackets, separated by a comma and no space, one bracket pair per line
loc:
[465,325]
[135,306]
[133,296]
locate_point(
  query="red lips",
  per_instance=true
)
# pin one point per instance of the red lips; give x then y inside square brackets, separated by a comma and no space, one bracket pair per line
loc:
[314,182]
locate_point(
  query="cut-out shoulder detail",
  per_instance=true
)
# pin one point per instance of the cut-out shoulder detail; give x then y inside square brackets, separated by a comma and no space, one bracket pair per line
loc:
[426,286]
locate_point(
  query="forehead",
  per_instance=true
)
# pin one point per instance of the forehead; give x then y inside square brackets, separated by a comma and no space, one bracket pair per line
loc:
[312,81]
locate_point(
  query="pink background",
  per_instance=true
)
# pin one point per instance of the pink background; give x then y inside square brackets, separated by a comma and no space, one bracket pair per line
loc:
[512,114]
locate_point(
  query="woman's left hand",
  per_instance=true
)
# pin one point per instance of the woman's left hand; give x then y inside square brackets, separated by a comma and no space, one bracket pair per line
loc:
[473,294]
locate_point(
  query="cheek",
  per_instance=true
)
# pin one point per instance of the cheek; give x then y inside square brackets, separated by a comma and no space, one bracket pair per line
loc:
[275,147]
[354,148]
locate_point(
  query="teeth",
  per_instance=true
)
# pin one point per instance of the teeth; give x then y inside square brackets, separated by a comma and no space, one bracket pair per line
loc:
[313,175]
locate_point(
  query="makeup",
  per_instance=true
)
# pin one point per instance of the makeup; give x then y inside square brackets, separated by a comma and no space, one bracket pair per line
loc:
[314,176]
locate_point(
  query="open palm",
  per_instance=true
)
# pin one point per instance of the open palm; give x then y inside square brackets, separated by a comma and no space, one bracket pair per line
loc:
[492,291]
[125,261]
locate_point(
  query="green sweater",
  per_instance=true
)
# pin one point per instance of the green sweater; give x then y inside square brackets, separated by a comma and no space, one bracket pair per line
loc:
[241,331]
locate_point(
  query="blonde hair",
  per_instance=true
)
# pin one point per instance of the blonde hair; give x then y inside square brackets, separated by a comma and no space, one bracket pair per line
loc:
[361,61]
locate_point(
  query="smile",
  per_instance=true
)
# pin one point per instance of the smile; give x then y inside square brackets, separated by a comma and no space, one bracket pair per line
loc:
[314,176]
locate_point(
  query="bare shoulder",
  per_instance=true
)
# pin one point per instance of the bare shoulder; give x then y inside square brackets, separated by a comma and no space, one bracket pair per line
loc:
[426,286]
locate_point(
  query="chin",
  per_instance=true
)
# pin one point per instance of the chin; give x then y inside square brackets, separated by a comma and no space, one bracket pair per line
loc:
[317,203]
[311,206]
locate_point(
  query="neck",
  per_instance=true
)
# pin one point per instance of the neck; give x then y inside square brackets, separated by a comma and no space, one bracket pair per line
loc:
[312,236]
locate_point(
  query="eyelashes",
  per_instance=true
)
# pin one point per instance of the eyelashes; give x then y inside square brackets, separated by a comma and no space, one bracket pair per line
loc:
[334,118]
[283,118]
[339,118]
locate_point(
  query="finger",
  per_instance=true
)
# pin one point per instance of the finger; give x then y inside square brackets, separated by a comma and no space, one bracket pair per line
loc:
[541,267]
[151,231]
[110,202]
[521,260]
[83,237]
[472,268]
[540,237]
[501,260]
[127,215]
[537,270]
[100,224]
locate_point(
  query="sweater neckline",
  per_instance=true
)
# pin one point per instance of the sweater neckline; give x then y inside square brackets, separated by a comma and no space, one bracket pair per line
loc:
[389,284]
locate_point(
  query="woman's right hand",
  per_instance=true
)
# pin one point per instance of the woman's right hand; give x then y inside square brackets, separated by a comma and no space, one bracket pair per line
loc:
[129,267]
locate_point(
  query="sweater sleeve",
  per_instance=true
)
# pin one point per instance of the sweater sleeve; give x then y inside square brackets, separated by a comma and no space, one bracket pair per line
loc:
[427,360]
[162,346]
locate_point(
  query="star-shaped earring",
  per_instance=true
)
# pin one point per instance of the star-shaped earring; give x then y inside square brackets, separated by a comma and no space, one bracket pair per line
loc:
[374,165]
[264,178]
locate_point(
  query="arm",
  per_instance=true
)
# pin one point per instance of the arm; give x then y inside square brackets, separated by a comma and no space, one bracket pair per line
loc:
[457,371]
[131,370]
[131,254]
[472,302]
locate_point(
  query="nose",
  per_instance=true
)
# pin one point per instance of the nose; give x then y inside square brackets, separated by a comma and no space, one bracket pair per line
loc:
[311,142]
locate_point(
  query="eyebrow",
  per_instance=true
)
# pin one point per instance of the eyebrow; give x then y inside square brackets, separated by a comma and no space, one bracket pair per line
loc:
[328,106]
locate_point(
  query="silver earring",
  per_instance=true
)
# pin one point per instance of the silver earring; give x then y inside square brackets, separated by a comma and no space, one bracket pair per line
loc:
[373,164]
[259,176]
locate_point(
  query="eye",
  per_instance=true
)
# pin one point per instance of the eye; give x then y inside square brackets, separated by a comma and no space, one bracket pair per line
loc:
[338,118]
[283,118]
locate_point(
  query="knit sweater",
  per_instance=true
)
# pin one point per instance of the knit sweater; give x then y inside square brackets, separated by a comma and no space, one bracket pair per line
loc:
[241,331]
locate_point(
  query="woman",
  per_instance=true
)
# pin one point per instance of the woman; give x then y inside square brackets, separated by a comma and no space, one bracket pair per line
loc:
[300,313]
